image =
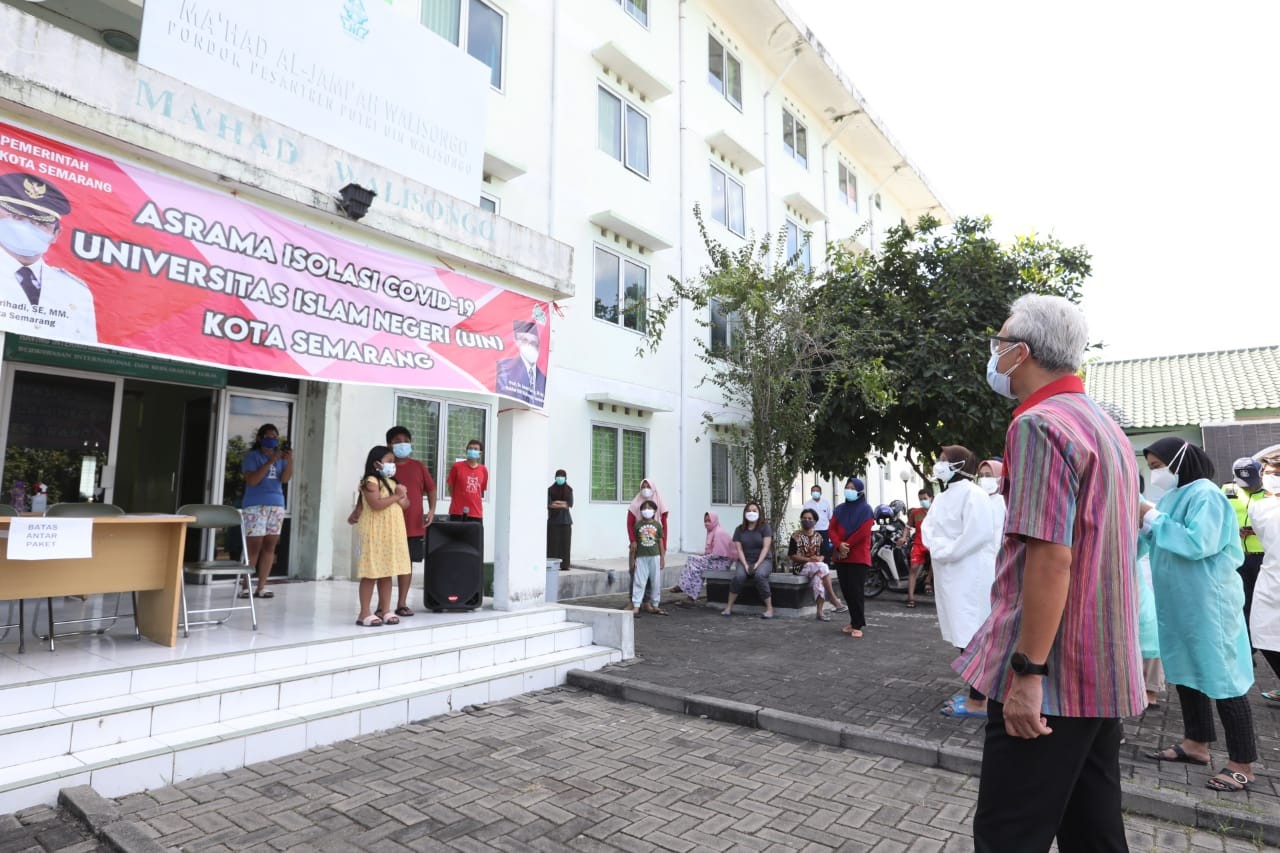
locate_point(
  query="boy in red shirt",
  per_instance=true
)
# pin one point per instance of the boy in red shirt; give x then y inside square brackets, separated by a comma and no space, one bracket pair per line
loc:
[417,482]
[468,481]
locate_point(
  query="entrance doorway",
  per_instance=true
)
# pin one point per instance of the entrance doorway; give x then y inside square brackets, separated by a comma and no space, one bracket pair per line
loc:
[245,411]
[166,435]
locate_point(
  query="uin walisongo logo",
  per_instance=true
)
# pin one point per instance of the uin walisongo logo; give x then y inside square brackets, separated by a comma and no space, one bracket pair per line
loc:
[355,21]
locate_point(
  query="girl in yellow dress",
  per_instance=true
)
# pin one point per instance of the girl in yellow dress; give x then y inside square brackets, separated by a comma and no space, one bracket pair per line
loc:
[383,554]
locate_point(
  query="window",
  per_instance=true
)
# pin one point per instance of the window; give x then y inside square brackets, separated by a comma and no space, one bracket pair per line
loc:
[617,462]
[728,463]
[795,138]
[624,132]
[724,72]
[727,206]
[622,291]
[848,186]
[437,442]
[638,9]
[489,204]
[726,327]
[798,242]
[483,24]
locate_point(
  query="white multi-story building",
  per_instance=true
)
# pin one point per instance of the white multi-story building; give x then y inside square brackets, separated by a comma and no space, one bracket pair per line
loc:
[608,121]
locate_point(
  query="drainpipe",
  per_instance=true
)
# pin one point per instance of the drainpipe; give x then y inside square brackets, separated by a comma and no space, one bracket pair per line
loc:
[871,202]
[768,198]
[681,95]
[845,121]
[554,123]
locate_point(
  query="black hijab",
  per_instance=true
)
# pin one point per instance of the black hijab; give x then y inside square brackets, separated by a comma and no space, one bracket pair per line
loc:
[557,492]
[1194,465]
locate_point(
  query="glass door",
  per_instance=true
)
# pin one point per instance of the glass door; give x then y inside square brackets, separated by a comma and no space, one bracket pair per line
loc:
[244,413]
[60,430]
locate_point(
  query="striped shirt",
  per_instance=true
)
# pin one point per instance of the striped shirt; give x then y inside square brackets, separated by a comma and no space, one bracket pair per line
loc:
[1070,478]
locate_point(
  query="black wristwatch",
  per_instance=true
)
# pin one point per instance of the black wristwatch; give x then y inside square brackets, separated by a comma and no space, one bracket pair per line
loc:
[1022,665]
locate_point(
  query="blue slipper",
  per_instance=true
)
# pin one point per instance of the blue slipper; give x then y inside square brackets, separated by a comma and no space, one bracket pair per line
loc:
[765,616]
[958,710]
[726,613]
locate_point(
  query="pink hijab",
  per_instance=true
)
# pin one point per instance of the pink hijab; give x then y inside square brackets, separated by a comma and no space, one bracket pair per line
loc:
[719,540]
[634,508]
[997,468]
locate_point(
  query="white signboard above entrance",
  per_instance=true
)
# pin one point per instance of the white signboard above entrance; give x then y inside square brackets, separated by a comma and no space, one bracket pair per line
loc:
[352,73]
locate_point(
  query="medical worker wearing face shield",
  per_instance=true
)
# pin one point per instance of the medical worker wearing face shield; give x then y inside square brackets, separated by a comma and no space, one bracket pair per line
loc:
[1194,538]
[1264,516]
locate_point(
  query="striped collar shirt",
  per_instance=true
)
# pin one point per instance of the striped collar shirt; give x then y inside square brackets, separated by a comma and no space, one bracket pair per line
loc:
[1069,478]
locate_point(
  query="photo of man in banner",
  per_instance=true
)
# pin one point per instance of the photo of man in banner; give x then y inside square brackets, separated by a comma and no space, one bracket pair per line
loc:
[36,298]
[520,377]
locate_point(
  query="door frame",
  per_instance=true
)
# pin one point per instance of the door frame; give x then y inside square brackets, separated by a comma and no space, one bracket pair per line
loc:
[109,469]
[217,494]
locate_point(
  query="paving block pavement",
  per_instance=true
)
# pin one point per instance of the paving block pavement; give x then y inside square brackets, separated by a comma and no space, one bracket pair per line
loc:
[568,770]
[890,685]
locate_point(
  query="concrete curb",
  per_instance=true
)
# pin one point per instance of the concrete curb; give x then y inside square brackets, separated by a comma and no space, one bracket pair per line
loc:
[102,818]
[1160,804]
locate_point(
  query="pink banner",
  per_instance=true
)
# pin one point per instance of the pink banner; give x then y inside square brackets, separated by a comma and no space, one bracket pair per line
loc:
[100,252]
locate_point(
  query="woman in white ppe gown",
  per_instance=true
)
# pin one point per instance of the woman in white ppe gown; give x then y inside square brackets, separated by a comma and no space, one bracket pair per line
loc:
[1264,620]
[960,533]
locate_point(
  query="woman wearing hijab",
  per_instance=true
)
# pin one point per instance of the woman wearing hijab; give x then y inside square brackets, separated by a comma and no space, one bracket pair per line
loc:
[850,534]
[990,473]
[647,492]
[717,556]
[559,520]
[960,533]
[1148,622]
[1194,537]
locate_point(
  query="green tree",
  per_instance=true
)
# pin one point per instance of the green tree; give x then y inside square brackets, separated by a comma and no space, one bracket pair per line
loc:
[774,353]
[935,295]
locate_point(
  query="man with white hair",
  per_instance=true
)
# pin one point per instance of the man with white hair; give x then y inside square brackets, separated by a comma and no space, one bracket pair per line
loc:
[1059,655]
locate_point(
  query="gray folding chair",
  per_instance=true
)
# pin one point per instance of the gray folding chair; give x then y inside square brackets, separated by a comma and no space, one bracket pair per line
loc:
[79,510]
[218,517]
[12,512]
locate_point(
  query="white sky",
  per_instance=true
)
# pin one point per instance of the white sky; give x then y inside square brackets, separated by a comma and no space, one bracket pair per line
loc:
[1146,131]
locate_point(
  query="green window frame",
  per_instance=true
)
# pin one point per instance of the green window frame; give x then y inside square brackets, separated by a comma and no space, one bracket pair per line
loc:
[619,459]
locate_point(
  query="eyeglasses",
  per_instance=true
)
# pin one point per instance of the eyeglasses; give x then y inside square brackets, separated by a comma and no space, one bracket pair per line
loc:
[995,342]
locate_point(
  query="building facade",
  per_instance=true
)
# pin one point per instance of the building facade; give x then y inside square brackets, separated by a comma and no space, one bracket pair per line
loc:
[608,121]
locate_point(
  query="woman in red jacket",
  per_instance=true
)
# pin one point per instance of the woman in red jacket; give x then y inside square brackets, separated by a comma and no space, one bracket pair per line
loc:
[850,533]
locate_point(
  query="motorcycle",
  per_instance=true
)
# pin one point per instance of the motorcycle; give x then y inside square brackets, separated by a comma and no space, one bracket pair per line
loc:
[889,560]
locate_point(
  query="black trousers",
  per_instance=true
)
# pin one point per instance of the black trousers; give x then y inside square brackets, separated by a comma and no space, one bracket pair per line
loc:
[1249,574]
[559,538]
[853,579]
[1237,722]
[1273,658]
[1065,785]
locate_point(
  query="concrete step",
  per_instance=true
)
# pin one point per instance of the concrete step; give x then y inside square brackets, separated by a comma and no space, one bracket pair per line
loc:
[259,705]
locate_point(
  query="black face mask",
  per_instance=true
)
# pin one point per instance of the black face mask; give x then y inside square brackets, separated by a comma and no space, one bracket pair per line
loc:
[807,523]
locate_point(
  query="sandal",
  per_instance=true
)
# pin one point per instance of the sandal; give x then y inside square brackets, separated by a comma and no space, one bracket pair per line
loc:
[369,621]
[822,617]
[960,711]
[1179,756]
[856,634]
[262,593]
[848,629]
[1272,696]
[390,619]
[1233,784]
[403,611]
[843,608]
[657,611]
[911,602]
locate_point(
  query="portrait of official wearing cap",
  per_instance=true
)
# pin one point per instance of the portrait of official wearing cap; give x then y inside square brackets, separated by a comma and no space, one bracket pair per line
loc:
[520,377]
[36,298]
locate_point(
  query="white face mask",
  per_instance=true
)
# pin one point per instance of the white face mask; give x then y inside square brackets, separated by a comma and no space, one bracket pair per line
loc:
[1163,481]
[752,516]
[990,485]
[943,470]
[24,239]
[647,513]
[1271,482]
[1000,382]
[388,469]
[646,493]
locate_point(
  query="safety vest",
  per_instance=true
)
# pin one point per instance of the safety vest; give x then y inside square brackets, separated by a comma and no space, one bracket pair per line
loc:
[1240,501]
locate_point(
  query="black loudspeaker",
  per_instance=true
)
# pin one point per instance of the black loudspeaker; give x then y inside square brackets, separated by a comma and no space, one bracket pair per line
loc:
[454,568]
